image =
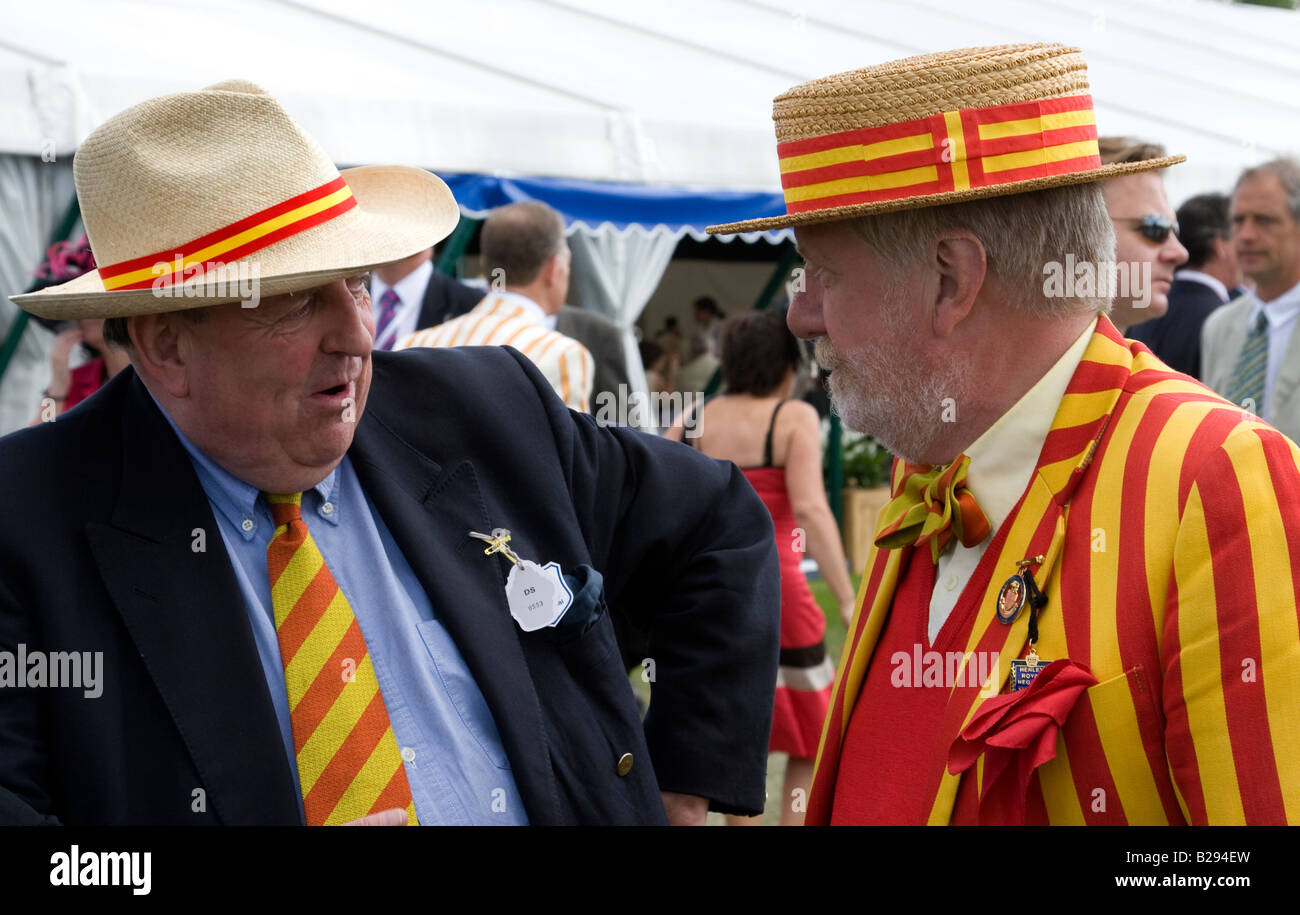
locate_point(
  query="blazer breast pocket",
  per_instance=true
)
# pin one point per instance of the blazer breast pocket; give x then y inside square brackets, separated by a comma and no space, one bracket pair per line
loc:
[1130,727]
[587,607]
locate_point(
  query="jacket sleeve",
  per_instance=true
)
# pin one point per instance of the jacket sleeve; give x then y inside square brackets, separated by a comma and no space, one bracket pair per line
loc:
[1231,640]
[689,558]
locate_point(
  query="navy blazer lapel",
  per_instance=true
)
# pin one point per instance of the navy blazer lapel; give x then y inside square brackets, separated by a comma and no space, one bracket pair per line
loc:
[185,613]
[430,511]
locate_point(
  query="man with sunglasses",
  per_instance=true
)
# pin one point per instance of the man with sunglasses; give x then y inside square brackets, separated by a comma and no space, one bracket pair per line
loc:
[1147,249]
[1249,348]
[1210,279]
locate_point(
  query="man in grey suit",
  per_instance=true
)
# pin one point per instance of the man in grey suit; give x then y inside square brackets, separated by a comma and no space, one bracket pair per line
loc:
[603,339]
[1249,346]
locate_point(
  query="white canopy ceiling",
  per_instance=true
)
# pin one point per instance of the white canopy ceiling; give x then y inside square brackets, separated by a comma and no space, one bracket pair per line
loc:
[672,92]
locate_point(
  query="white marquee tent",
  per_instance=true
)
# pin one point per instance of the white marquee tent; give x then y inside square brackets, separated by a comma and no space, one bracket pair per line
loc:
[676,93]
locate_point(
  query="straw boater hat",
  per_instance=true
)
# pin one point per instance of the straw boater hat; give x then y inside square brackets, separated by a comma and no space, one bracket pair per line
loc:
[222,182]
[936,129]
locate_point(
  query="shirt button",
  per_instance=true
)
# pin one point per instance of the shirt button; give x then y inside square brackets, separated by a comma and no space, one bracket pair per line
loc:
[327,508]
[408,754]
[248,524]
[625,764]
[950,582]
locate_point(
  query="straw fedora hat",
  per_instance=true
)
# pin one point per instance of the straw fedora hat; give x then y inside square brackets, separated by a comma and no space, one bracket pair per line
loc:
[190,198]
[936,129]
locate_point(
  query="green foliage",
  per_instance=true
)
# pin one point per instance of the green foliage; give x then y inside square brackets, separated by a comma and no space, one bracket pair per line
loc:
[835,634]
[865,461]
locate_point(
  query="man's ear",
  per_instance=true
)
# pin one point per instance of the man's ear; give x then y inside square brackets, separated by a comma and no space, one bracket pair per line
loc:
[159,353]
[550,272]
[959,262]
[1222,251]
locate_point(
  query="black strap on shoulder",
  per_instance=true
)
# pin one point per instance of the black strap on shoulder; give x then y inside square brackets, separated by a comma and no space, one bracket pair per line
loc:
[771,427]
[694,441]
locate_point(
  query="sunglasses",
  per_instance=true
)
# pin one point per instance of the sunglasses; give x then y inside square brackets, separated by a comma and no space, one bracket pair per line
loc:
[1153,227]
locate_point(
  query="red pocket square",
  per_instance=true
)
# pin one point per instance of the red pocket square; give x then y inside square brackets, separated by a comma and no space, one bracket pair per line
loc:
[1017,734]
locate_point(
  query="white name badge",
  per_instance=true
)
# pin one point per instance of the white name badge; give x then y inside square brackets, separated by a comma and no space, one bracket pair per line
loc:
[533,595]
[564,594]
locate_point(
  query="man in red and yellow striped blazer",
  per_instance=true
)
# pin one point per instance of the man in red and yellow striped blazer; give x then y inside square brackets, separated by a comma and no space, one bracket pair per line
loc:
[1082,603]
[1177,550]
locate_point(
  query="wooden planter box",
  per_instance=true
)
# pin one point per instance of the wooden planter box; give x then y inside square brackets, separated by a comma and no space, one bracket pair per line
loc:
[861,506]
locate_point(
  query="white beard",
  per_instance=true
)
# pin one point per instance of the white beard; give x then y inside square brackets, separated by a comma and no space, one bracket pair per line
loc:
[885,391]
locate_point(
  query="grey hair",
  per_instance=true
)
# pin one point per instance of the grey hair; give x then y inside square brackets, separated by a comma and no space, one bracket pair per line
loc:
[519,239]
[1021,233]
[116,332]
[1287,171]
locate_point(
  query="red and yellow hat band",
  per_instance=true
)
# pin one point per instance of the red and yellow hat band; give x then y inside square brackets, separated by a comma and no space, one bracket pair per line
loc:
[948,151]
[233,242]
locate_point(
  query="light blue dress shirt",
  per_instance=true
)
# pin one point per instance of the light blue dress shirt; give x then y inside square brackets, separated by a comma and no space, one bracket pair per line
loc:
[455,763]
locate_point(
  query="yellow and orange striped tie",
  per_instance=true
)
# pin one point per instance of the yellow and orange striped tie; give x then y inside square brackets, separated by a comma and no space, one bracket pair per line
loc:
[348,761]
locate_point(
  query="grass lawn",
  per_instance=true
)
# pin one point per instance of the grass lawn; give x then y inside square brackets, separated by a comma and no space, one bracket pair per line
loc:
[834,628]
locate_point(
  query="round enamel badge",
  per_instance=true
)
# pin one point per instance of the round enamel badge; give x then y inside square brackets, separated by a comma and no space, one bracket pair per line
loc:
[1010,599]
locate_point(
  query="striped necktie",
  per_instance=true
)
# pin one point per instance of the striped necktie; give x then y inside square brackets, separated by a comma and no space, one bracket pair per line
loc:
[348,761]
[1246,388]
[388,303]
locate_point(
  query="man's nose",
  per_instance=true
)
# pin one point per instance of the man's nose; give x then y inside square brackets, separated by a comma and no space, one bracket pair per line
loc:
[351,327]
[1173,251]
[805,315]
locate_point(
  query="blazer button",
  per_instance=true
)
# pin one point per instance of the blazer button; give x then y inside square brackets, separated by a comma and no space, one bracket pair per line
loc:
[625,764]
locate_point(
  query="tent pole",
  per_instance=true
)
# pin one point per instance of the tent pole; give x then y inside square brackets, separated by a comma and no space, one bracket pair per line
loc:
[456,244]
[835,469]
[19,325]
[715,382]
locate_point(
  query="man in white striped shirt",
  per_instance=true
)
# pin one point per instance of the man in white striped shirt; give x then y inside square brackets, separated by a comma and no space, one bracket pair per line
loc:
[526,260]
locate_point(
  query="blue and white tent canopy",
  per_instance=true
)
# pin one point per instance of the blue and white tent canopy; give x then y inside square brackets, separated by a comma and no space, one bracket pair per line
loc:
[672,94]
[593,205]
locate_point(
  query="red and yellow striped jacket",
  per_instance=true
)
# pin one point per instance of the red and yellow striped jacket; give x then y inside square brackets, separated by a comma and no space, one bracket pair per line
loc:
[496,321]
[1171,525]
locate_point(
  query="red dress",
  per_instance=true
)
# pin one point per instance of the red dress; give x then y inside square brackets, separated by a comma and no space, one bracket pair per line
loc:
[806,675]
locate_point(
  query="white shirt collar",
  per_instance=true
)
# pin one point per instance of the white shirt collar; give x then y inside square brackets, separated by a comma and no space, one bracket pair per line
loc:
[410,288]
[1282,310]
[1002,460]
[1196,276]
[533,313]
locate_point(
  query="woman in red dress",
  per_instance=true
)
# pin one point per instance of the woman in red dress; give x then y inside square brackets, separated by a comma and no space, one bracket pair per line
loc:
[68,387]
[776,442]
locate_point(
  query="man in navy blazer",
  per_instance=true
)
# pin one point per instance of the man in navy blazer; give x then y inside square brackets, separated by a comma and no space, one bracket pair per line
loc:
[98,556]
[426,297]
[116,547]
